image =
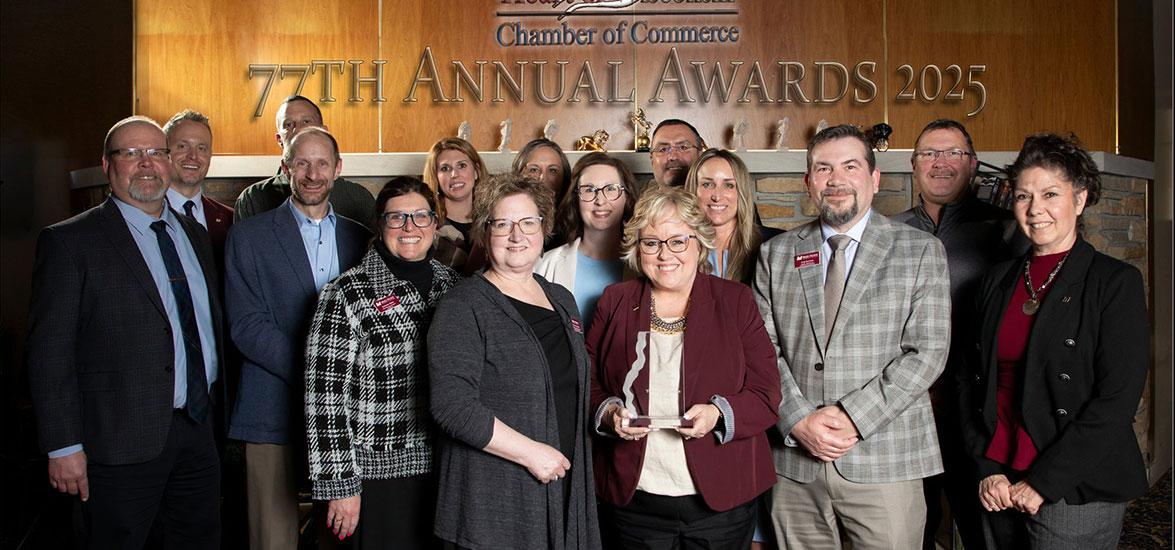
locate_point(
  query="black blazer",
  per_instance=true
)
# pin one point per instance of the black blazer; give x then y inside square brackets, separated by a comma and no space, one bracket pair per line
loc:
[1085,368]
[100,355]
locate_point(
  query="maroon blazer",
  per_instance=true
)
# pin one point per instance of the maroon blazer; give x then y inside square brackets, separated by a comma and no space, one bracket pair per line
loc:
[726,353]
[219,217]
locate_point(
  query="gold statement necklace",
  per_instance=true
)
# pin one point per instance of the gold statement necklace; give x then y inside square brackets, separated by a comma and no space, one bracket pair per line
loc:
[1033,305]
[662,326]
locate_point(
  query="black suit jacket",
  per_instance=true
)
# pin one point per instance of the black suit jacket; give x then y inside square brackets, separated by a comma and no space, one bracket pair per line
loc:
[100,354]
[1084,371]
[219,218]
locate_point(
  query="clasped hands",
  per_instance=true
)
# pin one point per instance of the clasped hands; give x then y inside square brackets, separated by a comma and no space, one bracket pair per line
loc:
[828,433]
[997,493]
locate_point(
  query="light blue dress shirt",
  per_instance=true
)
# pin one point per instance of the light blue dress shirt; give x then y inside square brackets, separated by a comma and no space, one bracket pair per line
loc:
[177,201]
[318,236]
[592,276]
[139,224]
[854,232]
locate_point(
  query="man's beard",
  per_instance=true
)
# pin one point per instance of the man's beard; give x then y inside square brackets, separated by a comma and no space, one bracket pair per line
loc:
[834,218]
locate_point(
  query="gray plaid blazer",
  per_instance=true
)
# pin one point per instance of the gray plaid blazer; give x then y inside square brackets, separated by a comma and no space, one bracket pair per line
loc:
[889,344]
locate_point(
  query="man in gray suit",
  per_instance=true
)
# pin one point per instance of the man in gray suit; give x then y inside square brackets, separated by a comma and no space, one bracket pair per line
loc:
[276,263]
[859,310]
[124,353]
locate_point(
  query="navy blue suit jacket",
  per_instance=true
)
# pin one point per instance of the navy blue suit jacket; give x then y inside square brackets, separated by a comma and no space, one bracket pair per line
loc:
[270,297]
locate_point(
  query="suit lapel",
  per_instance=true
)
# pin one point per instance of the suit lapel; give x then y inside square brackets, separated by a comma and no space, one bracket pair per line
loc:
[811,279]
[349,242]
[289,238]
[696,337]
[875,243]
[114,225]
[1058,302]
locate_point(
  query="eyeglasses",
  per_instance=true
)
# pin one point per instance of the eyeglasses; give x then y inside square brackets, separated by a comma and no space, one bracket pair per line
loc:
[588,193]
[953,155]
[528,226]
[135,153]
[663,150]
[677,243]
[420,218]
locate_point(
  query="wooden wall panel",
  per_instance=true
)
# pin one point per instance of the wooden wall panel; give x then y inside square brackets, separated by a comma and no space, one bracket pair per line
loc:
[1050,67]
[196,55]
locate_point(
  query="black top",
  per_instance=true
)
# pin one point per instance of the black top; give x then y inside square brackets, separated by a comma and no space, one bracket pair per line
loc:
[464,228]
[419,273]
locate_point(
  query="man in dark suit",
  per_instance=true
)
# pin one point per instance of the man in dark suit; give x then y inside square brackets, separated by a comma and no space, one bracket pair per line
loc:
[189,136]
[124,344]
[276,262]
[347,198]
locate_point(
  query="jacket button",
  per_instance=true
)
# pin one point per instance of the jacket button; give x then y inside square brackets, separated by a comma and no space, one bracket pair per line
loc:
[1069,342]
[1063,376]
[977,379]
[1062,412]
[819,366]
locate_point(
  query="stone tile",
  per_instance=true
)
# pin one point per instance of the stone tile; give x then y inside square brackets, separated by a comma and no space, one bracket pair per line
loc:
[780,184]
[772,211]
[891,204]
[895,182]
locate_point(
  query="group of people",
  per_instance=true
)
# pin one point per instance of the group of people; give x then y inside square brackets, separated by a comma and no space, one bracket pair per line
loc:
[559,357]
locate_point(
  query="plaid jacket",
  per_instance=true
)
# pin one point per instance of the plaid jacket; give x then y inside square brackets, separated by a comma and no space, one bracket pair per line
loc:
[889,344]
[367,379]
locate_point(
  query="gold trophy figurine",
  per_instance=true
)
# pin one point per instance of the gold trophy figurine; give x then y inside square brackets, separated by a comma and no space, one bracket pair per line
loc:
[641,128]
[594,142]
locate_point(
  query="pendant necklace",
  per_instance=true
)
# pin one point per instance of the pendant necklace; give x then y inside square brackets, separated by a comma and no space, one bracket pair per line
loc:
[1033,305]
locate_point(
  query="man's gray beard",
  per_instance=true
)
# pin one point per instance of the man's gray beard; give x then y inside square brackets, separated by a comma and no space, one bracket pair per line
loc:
[136,192]
[835,219]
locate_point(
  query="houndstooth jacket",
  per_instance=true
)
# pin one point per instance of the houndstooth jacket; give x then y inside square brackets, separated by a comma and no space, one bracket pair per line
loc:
[367,378]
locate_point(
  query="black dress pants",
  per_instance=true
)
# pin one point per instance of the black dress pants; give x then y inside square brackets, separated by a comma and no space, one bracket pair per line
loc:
[656,522]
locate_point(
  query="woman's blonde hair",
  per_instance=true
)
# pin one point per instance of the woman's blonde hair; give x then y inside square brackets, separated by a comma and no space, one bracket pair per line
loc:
[657,203]
[504,185]
[746,239]
[430,168]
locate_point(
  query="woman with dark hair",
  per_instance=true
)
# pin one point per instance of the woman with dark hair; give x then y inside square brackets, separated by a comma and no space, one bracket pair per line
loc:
[453,169]
[1059,368]
[726,194]
[368,428]
[509,381]
[592,215]
[543,160]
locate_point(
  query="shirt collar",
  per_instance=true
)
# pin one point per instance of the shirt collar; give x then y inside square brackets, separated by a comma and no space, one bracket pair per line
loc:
[302,219]
[141,221]
[854,232]
[177,199]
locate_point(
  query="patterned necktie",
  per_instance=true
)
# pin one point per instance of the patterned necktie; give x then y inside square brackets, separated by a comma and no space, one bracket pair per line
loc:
[197,407]
[190,209]
[834,282]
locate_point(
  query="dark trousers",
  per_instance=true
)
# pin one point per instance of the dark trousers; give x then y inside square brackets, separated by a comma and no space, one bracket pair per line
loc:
[958,483]
[180,489]
[397,514]
[659,522]
[1056,526]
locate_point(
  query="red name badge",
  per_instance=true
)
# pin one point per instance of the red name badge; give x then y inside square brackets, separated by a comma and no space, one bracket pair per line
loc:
[387,302]
[576,326]
[807,259]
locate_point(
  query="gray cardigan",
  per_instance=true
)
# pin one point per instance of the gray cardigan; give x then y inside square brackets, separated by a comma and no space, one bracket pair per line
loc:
[485,362]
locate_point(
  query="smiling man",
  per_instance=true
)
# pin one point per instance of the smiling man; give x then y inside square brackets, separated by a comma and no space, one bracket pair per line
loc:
[977,235]
[676,144]
[276,262]
[858,308]
[124,350]
[189,136]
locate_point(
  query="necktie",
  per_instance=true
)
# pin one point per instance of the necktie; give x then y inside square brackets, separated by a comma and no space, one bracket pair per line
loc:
[834,281]
[197,406]
[190,209]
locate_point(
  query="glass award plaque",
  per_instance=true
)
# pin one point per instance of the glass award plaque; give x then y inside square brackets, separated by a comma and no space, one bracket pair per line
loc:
[660,422]
[635,418]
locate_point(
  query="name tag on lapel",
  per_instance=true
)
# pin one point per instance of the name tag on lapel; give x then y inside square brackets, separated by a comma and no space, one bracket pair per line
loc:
[576,326]
[387,302]
[807,259]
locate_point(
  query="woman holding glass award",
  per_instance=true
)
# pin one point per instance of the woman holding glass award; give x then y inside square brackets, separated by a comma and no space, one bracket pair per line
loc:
[684,388]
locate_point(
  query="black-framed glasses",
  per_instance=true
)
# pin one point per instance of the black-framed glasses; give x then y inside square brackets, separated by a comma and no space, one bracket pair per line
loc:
[588,193]
[136,153]
[420,218]
[663,150]
[528,226]
[953,155]
[676,243]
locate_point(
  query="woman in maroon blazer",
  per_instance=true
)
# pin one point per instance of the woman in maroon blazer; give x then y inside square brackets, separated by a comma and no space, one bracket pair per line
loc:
[680,343]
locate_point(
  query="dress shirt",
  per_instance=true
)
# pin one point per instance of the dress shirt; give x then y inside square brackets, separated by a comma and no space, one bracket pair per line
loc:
[318,236]
[854,233]
[177,201]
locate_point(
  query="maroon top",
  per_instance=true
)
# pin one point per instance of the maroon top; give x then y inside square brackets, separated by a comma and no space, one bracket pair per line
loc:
[1011,445]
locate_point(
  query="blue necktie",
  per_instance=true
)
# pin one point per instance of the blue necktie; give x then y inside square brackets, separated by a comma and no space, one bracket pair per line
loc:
[189,207]
[197,407]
